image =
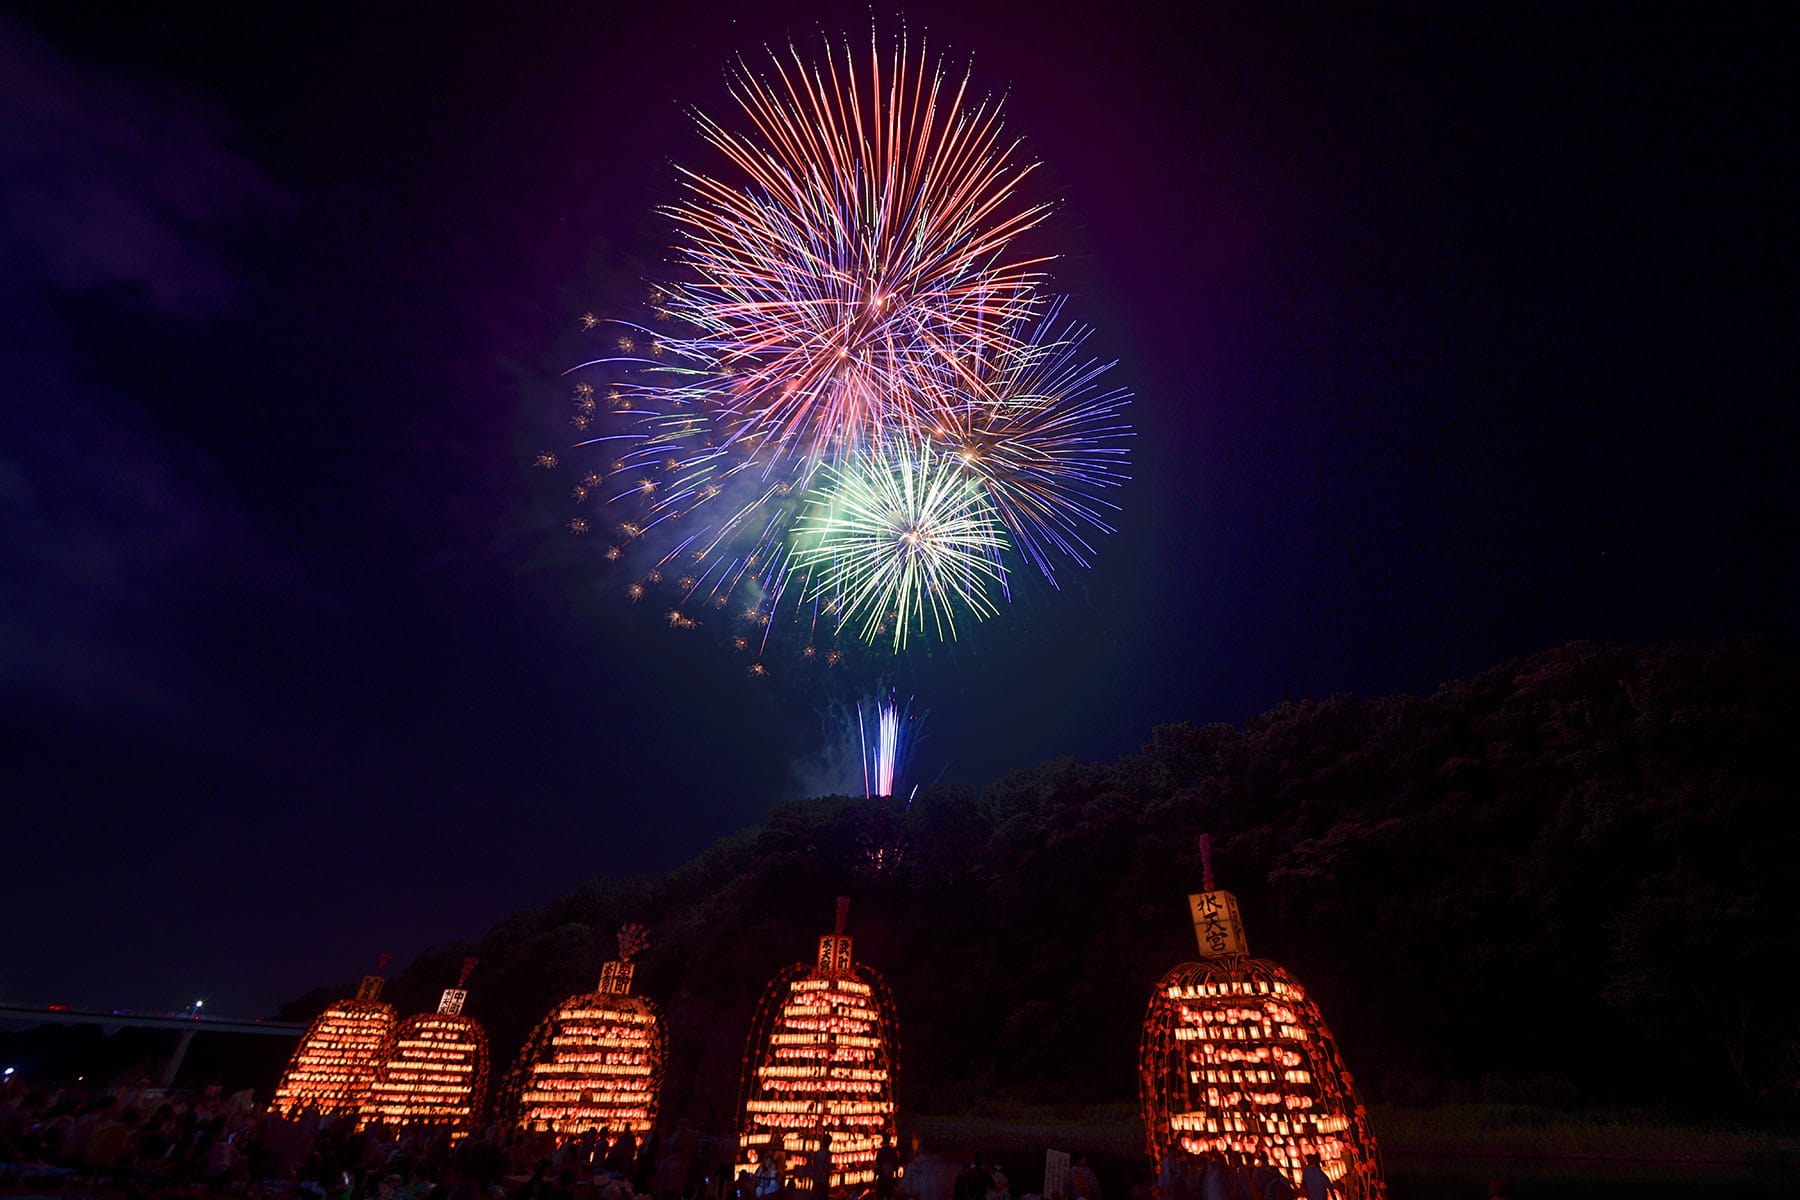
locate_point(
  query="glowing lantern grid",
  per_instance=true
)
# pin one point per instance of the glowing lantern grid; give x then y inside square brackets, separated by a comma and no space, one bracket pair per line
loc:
[336,1061]
[1237,1061]
[821,1059]
[597,1061]
[437,1072]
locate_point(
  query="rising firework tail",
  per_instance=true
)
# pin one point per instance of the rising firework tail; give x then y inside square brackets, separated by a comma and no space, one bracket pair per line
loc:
[887,738]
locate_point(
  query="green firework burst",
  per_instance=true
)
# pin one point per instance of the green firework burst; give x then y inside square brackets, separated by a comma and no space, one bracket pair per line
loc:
[901,533]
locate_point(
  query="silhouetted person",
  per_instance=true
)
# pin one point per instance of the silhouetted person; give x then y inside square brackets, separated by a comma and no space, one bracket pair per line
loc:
[1216,1183]
[534,1188]
[819,1166]
[620,1156]
[1082,1183]
[646,1163]
[703,1164]
[1314,1179]
[887,1168]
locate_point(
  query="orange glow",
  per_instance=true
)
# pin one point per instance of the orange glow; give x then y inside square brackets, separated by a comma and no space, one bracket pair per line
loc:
[436,1075]
[336,1061]
[1237,1061]
[821,1058]
[594,1063]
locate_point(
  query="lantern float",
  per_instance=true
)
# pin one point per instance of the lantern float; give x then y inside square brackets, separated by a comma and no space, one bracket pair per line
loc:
[336,1061]
[821,1060]
[597,1061]
[1237,1062]
[437,1072]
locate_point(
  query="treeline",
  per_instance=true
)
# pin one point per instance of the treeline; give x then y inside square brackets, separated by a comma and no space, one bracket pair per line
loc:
[1569,880]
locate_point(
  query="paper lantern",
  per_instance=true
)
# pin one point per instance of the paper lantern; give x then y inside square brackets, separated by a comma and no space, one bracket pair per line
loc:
[821,1059]
[1236,1061]
[338,1056]
[594,1063]
[437,1071]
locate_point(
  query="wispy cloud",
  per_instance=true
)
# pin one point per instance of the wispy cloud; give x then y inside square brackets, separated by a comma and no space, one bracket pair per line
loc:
[107,184]
[116,204]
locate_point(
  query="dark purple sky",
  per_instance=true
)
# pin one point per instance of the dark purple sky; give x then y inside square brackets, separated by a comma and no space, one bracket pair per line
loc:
[1451,342]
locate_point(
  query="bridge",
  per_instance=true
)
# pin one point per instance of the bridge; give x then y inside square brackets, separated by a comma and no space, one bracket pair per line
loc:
[188,1024]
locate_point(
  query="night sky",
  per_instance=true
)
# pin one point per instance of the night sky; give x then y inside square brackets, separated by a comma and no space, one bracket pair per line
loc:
[1451,342]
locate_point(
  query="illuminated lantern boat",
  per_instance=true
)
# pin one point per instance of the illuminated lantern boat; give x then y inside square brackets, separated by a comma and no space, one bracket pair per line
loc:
[437,1072]
[594,1063]
[1236,1061]
[337,1059]
[820,1060]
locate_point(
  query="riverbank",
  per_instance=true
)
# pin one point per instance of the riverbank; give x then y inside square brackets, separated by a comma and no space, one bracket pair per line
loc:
[1517,1131]
[1428,1152]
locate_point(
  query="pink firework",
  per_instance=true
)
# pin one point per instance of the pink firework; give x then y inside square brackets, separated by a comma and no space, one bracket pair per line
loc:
[858,257]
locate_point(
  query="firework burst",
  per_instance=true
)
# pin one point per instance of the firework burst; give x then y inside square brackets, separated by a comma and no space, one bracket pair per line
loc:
[1046,439]
[855,395]
[899,535]
[865,248]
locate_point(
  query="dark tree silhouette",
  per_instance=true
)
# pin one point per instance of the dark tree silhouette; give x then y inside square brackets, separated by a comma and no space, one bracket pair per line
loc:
[1566,879]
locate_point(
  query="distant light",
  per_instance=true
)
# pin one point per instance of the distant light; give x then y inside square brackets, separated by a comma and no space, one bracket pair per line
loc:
[8,1071]
[199,1004]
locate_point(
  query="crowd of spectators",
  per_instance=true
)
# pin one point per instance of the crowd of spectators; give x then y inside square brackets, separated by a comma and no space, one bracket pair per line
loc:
[128,1142]
[138,1142]
[141,1142]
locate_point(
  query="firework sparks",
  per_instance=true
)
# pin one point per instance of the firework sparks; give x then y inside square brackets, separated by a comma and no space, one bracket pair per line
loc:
[884,757]
[865,249]
[906,534]
[1046,440]
[858,398]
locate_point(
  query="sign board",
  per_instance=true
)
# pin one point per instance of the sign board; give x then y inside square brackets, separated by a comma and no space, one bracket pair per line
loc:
[834,954]
[451,1003]
[369,988]
[615,977]
[1056,1172]
[1216,924]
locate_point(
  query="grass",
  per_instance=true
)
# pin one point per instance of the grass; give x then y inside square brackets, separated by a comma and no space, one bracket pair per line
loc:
[1522,1131]
[1113,1127]
[1462,1132]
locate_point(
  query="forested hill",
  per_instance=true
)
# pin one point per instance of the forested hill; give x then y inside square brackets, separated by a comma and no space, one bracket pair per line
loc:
[1570,879]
